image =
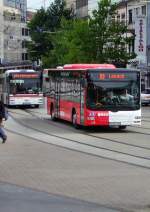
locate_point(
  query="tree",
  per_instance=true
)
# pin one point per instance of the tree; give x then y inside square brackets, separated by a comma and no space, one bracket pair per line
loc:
[43,24]
[109,37]
[38,44]
[100,39]
[70,43]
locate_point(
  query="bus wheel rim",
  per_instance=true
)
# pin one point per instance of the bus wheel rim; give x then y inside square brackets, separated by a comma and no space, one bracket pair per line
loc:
[74,119]
[52,114]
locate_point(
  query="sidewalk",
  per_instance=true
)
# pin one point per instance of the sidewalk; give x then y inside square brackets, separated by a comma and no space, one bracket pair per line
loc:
[19,199]
[21,164]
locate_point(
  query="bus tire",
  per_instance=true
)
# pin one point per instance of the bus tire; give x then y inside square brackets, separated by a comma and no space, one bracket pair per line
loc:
[74,120]
[122,127]
[52,113]
[36,106]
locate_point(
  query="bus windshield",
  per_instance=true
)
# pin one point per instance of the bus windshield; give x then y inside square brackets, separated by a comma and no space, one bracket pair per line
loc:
[25,86]
[113,95]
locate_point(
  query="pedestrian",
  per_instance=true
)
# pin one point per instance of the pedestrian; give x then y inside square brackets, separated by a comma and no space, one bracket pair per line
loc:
[3,115]
[126,97]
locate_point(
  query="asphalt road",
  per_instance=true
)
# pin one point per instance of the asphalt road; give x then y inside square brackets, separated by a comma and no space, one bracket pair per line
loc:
[19,199]
[49,166]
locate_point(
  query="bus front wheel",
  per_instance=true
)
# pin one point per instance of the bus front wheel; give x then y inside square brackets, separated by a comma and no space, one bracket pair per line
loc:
[122,127]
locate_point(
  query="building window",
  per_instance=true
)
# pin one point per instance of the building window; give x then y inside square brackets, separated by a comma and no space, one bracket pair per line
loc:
[25,32]
[130,16]
[81,3]
[23,44]
[23,19]
[137,11]
[143,10]
[118,18]
[132,46]
[123,16]
[24,56]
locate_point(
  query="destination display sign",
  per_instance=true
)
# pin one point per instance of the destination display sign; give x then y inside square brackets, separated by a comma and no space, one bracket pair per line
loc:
[24,76]
[103,76]
[115,76]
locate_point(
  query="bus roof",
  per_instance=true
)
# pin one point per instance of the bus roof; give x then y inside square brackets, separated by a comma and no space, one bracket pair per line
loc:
[88,66]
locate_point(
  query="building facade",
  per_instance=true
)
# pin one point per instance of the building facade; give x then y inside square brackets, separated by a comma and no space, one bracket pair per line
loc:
[137,18]
[14,32]
[82,8]
[135,15]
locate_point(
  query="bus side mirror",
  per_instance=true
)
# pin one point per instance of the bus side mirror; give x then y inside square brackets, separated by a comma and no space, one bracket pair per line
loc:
[10,77]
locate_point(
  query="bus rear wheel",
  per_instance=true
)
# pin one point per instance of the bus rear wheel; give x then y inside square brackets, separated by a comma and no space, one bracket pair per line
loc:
[74,120]
[53,118]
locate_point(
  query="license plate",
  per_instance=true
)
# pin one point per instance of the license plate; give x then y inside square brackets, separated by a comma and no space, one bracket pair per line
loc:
[26,103]
[115,123]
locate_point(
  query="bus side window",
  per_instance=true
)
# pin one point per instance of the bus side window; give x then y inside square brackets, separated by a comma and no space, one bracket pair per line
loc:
[83,83]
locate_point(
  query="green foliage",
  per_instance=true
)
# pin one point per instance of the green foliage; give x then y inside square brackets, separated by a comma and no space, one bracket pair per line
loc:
[43,24]
[70,43]
[99,39]
[109,36]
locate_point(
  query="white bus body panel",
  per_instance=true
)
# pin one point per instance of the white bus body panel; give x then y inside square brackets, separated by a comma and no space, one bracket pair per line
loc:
[25,100]
[125,118]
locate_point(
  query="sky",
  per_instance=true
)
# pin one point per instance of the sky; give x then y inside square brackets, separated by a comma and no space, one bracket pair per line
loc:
[37,4]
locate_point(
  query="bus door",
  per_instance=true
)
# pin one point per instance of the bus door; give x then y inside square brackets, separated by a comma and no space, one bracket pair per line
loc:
[57,98]
[82,99]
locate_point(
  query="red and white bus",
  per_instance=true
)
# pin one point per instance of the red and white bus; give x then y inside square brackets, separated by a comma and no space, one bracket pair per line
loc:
[21,87]
[94,95]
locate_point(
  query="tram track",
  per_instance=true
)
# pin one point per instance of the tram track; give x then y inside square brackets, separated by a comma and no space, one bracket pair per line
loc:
[95,136]
[52,123]
[117,154]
